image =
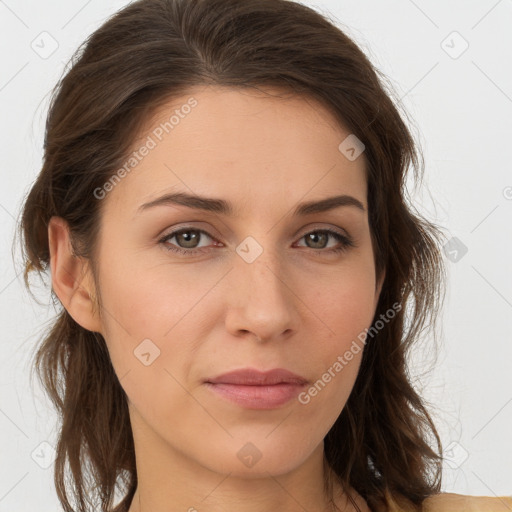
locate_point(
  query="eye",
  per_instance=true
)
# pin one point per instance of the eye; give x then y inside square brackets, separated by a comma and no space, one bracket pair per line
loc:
[187,241]
[188,237]
[321,237]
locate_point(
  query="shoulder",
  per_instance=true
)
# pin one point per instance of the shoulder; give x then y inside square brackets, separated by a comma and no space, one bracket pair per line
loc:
[449,502]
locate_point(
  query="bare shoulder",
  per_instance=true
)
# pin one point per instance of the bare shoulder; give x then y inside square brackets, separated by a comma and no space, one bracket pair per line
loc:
[449,502]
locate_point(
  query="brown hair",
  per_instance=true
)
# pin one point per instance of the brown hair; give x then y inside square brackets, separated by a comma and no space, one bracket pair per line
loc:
[154,50]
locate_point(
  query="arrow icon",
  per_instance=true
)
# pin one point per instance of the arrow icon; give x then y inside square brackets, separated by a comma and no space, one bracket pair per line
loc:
[44,44]
[146,352]
[351,147]
[249,455]
[249,253]
[455,249]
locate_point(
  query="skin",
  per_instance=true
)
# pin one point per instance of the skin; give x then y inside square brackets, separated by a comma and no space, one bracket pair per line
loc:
[296,306]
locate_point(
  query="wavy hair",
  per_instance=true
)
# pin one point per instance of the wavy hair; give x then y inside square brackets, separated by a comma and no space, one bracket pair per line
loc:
[384,443]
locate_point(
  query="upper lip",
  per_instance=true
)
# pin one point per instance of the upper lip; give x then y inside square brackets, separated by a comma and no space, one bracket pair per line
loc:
[253,377]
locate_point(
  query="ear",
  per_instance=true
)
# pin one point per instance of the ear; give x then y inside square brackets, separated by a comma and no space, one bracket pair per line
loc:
[71,277]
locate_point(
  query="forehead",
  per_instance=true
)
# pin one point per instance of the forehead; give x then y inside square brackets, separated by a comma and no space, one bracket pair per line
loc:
[242,143]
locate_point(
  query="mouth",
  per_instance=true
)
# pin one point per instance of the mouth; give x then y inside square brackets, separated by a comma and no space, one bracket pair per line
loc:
[254,389]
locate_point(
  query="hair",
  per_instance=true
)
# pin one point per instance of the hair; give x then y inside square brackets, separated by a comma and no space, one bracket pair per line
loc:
[384,443]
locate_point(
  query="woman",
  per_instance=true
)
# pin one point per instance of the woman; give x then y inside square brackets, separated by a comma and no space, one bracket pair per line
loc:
[222,210]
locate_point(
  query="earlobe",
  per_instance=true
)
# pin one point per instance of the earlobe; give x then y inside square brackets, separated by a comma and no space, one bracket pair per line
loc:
[71,277]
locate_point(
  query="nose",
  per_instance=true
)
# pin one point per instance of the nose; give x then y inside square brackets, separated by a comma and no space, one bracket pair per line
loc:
[260,300]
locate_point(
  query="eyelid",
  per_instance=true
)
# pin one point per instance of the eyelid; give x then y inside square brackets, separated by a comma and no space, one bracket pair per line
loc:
[191,225]
[319,226]
[345,239]
[315,226]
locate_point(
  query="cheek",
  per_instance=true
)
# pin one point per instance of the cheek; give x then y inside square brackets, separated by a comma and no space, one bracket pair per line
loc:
[336,357]
[343,313]
[144,301]
[154,314]
[150,351]
[137,310]
[341,308]
[344,303]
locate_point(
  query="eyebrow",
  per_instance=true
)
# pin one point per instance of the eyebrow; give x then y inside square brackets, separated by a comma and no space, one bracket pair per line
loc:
[220,206]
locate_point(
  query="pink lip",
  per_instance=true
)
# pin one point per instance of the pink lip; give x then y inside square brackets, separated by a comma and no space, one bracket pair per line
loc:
[253,377]
[253,389]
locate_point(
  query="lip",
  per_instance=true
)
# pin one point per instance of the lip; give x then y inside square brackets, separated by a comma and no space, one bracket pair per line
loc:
[254,389]
[254,377]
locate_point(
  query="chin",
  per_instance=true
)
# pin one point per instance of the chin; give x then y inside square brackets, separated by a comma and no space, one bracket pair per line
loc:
[257,458]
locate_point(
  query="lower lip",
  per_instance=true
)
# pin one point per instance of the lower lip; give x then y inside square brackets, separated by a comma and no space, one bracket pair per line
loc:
[257,397]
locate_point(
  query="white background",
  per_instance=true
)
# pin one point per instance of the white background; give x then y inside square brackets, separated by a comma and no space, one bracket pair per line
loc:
[462,108]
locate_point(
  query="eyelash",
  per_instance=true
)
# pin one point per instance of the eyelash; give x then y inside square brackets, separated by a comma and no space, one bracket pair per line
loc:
[346,241]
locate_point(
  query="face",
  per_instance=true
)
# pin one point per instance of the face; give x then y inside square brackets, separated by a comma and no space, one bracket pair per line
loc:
[188,294]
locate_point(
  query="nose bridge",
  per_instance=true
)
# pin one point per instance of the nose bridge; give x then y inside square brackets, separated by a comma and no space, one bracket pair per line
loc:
[261,268]
[259,291]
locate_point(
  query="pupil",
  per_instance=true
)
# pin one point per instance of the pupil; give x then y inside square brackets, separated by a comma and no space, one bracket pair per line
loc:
[188,237]
[316,236]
